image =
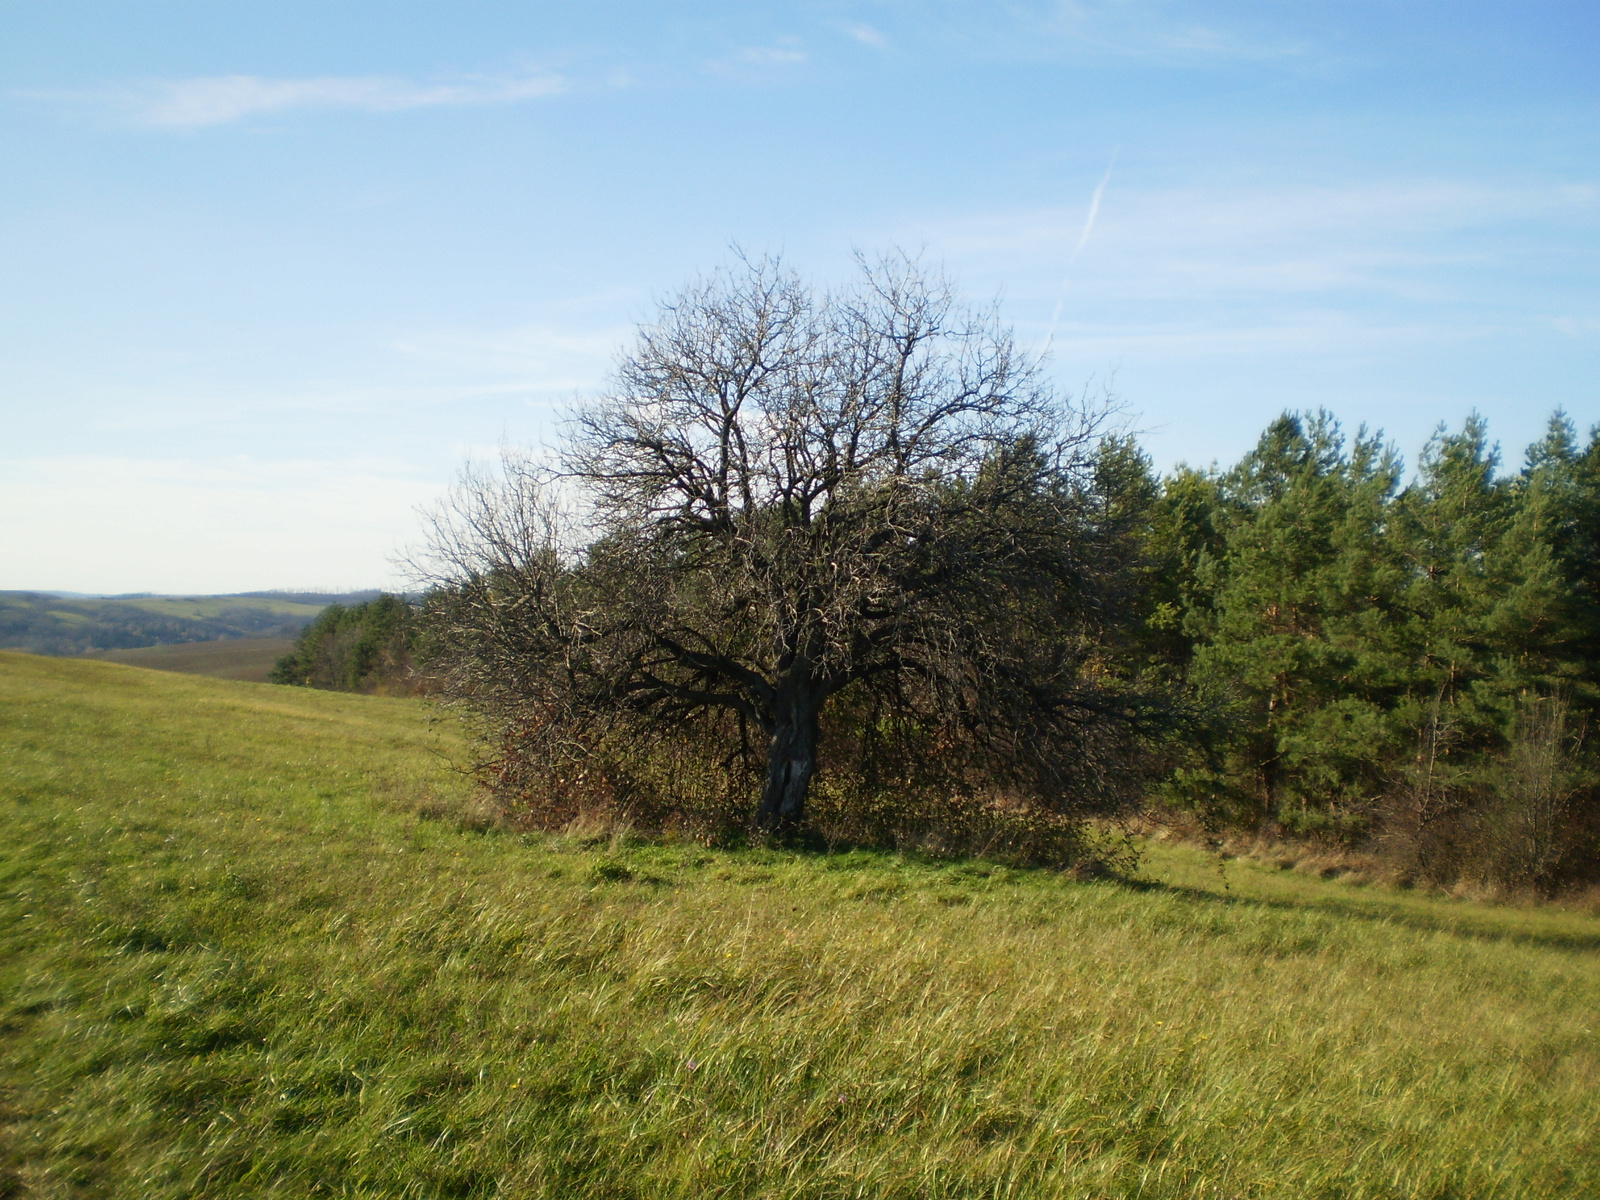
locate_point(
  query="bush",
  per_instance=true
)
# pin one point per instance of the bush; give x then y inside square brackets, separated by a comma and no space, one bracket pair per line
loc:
[879,788]
[1529,837]
[692,783]
[1522,819]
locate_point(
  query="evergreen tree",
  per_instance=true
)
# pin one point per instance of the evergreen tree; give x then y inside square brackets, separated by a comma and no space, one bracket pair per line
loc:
[1448,523]
[367,647]
[1300,631]
[1185,547]
[1546,623]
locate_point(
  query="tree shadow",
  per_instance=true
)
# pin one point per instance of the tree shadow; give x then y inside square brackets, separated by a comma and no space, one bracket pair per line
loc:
[1375,911]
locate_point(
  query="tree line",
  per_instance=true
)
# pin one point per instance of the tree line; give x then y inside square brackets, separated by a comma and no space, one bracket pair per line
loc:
[1377,659]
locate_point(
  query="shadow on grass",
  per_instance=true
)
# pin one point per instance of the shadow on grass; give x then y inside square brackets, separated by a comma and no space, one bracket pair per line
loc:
[1376,910]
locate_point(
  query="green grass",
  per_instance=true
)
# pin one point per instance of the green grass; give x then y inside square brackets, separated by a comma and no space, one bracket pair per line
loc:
[249,659]
[237,961]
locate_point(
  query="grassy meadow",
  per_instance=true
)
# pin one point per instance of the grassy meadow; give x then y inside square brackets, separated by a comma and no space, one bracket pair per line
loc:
[254,942]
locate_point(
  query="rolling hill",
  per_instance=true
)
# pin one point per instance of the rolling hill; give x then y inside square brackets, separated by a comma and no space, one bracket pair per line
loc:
[48,623]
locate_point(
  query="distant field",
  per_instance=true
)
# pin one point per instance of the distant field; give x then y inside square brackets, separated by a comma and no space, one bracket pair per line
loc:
[254,942]
[213,608]
[238,658]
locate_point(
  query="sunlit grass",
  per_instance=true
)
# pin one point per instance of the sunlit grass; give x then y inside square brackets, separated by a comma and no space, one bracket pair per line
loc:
[237,962]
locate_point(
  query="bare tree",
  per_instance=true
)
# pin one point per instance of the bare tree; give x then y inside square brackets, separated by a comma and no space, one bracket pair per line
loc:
[791,496]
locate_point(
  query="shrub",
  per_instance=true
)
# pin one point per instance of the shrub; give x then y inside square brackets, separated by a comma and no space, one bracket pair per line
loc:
[1522,819]
[369,647]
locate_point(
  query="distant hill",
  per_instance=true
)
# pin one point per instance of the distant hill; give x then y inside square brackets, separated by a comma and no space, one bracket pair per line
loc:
[61,624]
[249,659]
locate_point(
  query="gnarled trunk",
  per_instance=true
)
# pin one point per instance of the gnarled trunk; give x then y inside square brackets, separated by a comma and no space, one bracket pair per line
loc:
[791,761]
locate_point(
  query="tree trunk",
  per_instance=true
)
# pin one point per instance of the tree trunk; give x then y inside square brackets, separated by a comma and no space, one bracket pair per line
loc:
[791,761]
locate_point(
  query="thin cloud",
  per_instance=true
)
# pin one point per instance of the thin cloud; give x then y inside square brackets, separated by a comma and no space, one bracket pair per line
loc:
[865,34]
[1214,43]
[221,99]
[1360,270]
[530,360]
[759,62]
[1180,33]
[1094,212]
[1273,241]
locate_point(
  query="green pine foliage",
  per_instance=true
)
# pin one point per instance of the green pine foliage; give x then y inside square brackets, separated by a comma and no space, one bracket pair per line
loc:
[367,647]
[1365,656]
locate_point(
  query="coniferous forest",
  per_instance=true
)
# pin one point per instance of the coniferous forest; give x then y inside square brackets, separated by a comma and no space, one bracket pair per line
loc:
[1405,659]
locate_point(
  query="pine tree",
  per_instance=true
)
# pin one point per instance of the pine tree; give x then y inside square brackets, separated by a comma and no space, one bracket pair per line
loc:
[1302,614]
[1449,525]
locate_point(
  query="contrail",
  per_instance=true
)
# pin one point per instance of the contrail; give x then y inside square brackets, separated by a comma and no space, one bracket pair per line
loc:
[1094,211]
[1083,240]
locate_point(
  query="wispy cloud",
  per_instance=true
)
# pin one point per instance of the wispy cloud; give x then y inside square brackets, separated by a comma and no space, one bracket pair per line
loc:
[1578,327]
[220,99]
[760,62]
[865,34]
[1083,240]
[1180,33]
[530,360]
[1205,42]
[1094,212]
[1393,238]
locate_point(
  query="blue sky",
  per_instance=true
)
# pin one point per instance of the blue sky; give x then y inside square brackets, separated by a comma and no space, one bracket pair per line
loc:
[272,272]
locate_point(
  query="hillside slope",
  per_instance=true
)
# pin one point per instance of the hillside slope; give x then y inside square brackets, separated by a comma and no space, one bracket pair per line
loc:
[242,953]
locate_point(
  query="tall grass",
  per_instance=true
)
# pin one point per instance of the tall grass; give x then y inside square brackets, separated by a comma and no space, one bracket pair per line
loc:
[256,945]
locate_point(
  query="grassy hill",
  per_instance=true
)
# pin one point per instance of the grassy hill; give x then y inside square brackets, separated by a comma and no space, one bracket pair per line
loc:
[43,623]
[252,943]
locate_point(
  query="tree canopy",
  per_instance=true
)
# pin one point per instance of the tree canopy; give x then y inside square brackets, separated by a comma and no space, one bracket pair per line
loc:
[861,507]
[354,648]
